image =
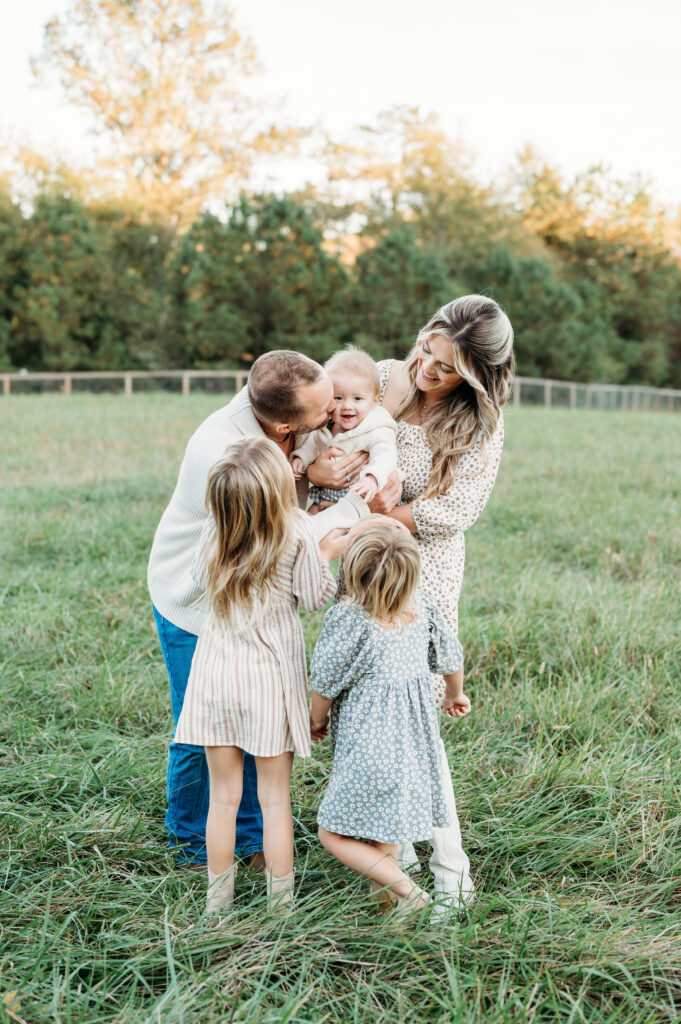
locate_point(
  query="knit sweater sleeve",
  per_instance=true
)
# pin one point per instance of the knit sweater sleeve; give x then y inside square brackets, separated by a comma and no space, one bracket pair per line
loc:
[313,445]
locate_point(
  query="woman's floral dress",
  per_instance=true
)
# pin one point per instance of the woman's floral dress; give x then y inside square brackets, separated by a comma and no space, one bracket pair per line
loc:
[441,521]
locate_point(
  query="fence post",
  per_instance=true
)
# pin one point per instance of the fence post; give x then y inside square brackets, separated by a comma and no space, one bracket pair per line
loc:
[516,392]
[128,384]
[573,396]
[547,394]
[67,384]
[240,381]
[6,385]
[185,384]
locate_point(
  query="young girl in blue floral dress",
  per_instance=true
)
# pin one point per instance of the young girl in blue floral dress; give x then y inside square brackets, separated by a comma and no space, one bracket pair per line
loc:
[372,670]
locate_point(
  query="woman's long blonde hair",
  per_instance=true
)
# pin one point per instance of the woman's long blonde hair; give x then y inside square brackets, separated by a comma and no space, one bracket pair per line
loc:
[381,568]
[251,495]
[481,339]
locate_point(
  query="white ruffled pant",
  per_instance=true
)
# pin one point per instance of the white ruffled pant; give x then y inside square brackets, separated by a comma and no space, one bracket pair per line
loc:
[449,864]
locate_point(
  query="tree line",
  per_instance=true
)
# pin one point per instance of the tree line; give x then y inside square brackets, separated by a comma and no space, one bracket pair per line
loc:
[87,286]
[160,254]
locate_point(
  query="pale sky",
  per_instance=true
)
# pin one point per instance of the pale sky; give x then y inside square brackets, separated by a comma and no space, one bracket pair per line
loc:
[584,82]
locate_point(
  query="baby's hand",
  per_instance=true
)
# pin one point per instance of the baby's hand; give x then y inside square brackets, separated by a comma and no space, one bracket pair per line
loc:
[298,467]
[366,487]
[456,707]
[319,727]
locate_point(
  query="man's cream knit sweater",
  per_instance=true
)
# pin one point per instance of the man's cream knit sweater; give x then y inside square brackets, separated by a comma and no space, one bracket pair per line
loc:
[173,590]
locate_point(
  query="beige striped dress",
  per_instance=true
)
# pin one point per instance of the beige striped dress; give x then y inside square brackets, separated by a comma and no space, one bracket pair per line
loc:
[248,688]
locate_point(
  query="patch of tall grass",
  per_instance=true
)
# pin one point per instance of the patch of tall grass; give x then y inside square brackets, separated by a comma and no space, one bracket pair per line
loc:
[567,774]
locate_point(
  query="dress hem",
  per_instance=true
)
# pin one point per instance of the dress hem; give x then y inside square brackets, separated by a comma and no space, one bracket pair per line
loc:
[253,753]
[417,837]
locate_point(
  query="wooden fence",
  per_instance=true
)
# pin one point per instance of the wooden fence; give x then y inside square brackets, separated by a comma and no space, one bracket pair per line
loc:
[527,390]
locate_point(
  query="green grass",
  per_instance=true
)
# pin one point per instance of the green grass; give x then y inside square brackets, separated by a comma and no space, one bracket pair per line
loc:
[567,773]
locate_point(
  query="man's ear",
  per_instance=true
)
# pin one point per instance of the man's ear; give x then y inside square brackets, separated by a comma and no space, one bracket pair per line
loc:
[283,428]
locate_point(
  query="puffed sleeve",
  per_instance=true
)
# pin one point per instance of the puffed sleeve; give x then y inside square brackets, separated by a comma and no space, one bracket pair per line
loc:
[384,367]
[340,516]
[445,653]
[313,582]
[339,657]
[461,504]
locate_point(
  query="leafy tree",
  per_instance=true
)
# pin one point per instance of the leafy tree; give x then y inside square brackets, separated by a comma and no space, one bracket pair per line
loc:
[257,281]
[59,312]
[13,276]
[558,330]
[83,288]
[163,83]
[405,168]
[397,287]
[138,327]
[611,239]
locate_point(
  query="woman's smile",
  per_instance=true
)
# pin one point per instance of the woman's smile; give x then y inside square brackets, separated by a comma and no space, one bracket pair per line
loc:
[427,377]
[436,375]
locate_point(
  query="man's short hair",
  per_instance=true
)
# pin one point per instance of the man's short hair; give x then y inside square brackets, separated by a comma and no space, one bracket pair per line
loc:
[273,383]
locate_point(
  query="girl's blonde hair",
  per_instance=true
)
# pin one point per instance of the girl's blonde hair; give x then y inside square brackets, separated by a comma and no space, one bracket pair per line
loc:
[381,568]
[354,360]
[251,494]
[481,339]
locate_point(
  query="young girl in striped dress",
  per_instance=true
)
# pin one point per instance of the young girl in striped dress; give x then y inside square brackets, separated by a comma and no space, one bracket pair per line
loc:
[247,689]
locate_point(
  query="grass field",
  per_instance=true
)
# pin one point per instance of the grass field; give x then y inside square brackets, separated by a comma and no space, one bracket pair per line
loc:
[567,774]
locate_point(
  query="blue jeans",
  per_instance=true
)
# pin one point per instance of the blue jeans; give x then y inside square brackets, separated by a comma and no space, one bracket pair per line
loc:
[187,780]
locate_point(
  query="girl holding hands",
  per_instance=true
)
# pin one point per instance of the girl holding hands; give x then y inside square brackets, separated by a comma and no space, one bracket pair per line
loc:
[259,560]
[372,670]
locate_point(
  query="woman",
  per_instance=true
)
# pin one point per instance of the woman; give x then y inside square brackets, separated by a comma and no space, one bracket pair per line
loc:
[447,398]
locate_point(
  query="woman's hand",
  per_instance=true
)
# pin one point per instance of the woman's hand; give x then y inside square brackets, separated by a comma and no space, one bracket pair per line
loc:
[335,470]
[386,499]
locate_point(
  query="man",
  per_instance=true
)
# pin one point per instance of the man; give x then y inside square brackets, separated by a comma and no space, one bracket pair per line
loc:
[287,393]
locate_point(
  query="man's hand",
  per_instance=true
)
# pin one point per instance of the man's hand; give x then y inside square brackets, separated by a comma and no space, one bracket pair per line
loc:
[335,470]
[386,499]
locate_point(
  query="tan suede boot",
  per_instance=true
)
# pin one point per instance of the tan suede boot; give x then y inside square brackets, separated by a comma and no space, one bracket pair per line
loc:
[220,896]
[280,890]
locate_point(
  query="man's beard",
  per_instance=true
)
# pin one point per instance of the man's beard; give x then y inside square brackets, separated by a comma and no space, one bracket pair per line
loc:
[303,429]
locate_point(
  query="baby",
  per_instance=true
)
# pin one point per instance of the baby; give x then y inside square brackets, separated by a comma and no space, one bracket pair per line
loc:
[357,424]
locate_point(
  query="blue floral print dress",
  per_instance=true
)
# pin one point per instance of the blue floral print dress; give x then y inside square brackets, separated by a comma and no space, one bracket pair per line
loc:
[386,781]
